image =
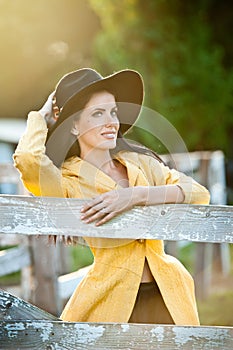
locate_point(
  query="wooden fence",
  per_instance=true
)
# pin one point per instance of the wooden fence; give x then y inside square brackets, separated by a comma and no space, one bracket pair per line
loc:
[27,220]
[208,168]
[23,326]
[46,269]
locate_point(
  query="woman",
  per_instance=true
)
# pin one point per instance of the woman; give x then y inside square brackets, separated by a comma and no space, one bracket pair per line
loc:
[85,155]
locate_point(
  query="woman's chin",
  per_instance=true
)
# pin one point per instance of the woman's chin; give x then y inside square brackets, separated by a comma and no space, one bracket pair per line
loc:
[108,144]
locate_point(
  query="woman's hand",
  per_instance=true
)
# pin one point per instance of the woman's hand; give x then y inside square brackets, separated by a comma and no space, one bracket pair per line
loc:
[49,110]
[106,206]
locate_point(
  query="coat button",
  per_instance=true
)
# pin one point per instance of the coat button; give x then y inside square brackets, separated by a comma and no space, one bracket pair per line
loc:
[141,240]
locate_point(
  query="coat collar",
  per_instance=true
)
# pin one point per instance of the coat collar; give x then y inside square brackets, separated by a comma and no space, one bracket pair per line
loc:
[131,162]
[76,166]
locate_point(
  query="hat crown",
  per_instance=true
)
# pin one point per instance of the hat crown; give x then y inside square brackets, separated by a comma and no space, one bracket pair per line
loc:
[73,82]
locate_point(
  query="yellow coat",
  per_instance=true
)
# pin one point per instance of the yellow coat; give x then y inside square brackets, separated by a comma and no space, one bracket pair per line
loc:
[108,292]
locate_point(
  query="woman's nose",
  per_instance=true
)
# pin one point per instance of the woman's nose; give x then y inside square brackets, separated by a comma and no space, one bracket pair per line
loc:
[109,120]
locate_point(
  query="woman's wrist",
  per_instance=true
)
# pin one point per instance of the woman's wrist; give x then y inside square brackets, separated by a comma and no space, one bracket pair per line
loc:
[142,194]
[152,195]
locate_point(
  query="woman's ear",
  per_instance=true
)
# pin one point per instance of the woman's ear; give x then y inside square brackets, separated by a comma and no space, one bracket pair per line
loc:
[74,130]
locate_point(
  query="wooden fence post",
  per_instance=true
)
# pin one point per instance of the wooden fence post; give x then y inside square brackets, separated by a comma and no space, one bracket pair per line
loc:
[45,273]
[208,168]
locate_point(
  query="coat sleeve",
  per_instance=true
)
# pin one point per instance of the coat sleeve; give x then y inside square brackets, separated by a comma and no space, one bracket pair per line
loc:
[194,193]
[38,173]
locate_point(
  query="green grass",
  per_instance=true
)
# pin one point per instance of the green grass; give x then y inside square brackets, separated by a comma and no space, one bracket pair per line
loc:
[11,278]
[80,256]
[217,310]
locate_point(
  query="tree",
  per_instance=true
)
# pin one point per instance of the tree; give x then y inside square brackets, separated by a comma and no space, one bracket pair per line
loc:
[171,44]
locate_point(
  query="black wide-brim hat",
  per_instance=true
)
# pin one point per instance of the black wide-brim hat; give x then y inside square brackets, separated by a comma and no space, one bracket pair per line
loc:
[127,87]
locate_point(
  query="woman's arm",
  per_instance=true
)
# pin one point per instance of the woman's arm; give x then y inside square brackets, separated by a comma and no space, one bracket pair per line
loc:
[39,175]
[104,207]
[193,192]
[172,187]
[161,194]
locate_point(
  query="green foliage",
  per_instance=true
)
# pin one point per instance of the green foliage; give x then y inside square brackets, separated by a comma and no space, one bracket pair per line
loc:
[81,256]
[187,256]
[171,44]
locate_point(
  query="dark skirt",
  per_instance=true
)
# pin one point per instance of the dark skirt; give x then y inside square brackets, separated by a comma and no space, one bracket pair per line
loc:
[149,306]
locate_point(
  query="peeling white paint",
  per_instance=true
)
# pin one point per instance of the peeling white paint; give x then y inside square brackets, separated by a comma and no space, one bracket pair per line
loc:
[89,334]
[26,215]
[16,302]
[45,328]
[213,335]
[12,329]
[125,327]
[182,337]
[158,332]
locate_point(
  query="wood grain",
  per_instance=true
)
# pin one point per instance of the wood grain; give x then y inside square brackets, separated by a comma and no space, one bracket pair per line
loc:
[14,308]
[74,336]
[61,216]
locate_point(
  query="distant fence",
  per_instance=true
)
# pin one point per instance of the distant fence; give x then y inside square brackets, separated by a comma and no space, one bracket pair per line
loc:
[208,168]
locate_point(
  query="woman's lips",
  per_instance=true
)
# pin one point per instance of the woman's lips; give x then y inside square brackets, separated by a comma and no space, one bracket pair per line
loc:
[109,134]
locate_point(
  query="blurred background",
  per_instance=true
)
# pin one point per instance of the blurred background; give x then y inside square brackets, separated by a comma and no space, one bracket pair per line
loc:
[183,49]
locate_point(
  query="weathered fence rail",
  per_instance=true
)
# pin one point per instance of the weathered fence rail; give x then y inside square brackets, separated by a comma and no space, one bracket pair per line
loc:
[74,336]
[14,259]
[24,326]
[13,308]
[61,216]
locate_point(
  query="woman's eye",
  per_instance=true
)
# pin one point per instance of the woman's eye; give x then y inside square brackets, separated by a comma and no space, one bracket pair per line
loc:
[97,114]
[114,113]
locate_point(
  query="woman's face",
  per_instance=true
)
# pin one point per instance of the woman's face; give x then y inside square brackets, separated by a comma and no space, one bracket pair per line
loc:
[98,123]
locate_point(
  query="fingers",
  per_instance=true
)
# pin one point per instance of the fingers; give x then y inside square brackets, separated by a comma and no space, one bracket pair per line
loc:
[51,96]
[104,207]
[106,218]
[98,210]
[92,204]
[46,110]
[100,217]
[94,213]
